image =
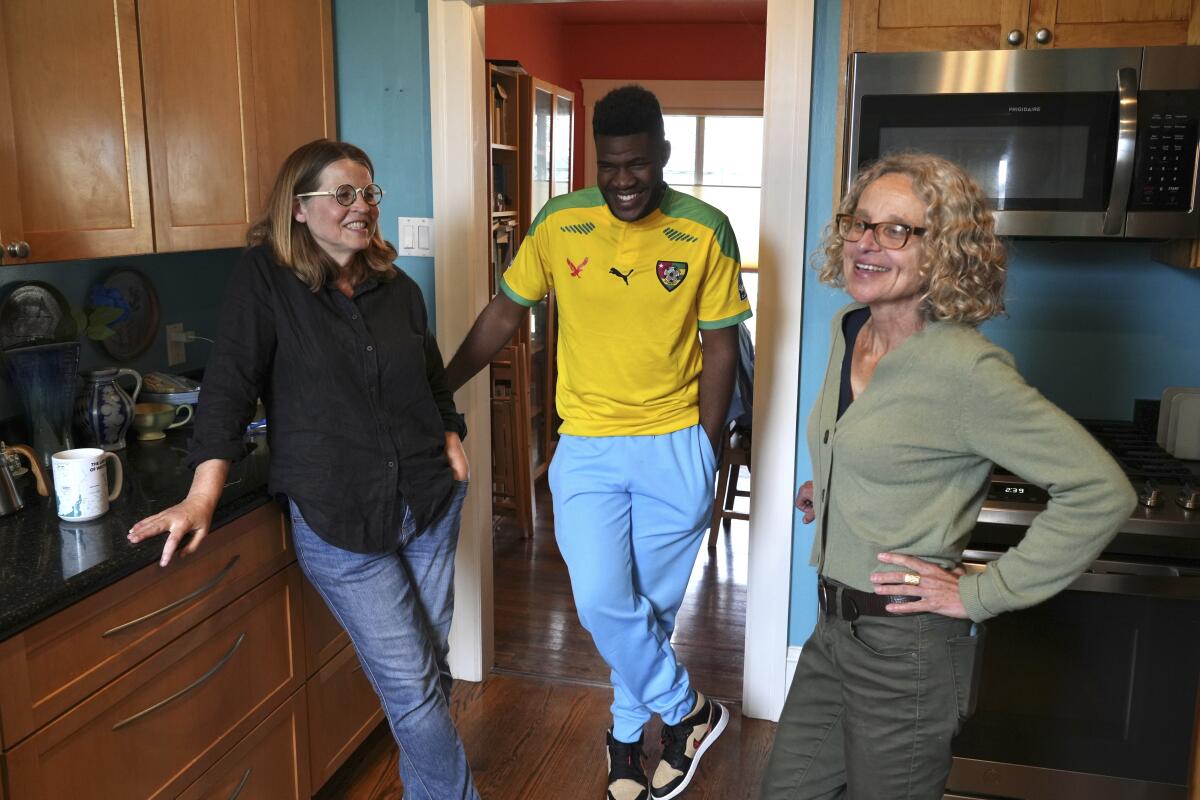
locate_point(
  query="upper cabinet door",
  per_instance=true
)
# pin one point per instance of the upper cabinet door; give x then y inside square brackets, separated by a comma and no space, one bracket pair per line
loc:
[882,26]
[72,138]
[293,81]
[1113,23]
[200,100]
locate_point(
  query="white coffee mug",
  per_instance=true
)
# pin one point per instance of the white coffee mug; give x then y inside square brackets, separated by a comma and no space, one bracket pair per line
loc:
[81,482]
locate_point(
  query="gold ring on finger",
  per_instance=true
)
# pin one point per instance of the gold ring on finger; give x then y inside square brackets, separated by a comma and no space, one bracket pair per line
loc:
[912,580]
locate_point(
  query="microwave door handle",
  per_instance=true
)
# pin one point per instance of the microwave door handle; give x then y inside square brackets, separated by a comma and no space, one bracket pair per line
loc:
[1118,200]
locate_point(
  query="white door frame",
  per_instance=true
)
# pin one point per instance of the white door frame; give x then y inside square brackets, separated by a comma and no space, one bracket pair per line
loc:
[457,99]
[457,113]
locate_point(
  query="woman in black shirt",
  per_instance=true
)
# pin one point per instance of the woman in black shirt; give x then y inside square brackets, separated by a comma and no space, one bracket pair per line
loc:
[364,437]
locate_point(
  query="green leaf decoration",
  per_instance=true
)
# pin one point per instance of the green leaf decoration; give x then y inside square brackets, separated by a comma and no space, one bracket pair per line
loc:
[103,315]
[99,332]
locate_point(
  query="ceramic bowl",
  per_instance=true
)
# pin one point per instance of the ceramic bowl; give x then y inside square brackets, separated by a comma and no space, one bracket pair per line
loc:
[151,419]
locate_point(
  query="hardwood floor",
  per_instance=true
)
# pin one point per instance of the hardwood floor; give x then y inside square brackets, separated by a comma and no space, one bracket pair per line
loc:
[538,739]
[534,730]
[538,633]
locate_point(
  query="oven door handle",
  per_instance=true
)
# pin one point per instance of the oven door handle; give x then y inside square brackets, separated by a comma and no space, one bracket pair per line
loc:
[1118,198]
[1116,577]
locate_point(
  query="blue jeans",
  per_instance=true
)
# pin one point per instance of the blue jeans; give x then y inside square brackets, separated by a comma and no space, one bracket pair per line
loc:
[630,513]
[397,606]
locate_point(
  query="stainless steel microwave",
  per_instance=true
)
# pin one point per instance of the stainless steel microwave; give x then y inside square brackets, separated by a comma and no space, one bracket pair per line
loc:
[1090,142]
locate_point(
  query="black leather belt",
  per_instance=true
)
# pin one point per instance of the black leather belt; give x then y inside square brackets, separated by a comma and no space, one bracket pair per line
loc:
[839,600]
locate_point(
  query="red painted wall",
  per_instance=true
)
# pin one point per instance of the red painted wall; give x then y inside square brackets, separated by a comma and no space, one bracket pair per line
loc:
[532,35]
[564,54]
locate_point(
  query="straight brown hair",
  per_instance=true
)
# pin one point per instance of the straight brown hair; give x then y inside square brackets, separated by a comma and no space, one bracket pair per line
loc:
[290,241]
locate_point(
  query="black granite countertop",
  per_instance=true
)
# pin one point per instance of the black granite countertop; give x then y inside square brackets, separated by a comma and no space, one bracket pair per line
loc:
[47,564]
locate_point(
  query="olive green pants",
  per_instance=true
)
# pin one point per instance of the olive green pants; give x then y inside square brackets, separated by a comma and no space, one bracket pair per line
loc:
[873,707]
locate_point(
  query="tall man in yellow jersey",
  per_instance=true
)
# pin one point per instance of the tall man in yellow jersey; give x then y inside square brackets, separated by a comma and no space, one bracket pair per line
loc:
[649,298]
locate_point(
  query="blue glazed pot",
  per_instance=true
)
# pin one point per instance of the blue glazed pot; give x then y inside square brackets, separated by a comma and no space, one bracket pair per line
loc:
[44,376]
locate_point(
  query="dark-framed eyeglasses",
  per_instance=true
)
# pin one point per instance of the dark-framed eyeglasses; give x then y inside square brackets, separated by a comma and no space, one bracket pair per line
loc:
[890,235]
[372,193]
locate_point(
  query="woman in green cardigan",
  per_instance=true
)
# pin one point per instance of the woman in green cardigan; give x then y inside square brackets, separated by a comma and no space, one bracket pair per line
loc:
[916,407]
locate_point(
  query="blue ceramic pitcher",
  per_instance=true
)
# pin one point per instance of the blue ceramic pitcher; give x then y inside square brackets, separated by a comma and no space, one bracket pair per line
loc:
[103,410]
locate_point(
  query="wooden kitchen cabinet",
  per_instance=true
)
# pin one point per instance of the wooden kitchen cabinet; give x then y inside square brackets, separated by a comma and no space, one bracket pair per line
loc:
[271,762]
[1113,23]
[887,26]
[73,170]
[343,710]
[881,26]
[232,87]
[61,661]
[154,730]
[241,670]
[199,86]
[292,46]
[343,707]
[154,128]
[323,635]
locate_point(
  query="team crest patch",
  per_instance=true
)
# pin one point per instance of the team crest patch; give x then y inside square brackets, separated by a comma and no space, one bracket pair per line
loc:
[671,273]
[741,288]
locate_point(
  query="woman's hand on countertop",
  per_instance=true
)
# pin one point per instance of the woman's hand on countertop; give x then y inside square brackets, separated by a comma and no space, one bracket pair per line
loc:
[937,587]
[192,515]
[457,456]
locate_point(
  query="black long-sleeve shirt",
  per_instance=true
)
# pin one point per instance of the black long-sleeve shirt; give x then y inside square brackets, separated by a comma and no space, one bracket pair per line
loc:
[357,405]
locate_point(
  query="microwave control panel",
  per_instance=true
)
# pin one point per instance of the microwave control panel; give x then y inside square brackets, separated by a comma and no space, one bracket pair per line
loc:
[1164,169]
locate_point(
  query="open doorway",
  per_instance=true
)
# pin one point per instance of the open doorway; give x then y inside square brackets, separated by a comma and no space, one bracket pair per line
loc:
[705,60]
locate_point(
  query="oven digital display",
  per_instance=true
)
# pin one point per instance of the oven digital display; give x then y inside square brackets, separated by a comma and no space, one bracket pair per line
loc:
[1017,492]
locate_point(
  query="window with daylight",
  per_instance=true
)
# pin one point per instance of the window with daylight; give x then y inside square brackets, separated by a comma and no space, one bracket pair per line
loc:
[718,158]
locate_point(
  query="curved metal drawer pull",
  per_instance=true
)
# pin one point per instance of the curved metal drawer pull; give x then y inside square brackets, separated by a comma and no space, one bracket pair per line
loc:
[216,668]
[238,791]
[208,587]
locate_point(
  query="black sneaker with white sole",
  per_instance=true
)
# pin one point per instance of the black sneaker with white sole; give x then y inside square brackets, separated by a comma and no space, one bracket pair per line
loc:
[683,744]
[626,773]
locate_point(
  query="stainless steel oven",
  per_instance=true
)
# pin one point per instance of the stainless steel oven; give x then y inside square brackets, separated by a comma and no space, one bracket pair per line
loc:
[1093,694]
[1071,142]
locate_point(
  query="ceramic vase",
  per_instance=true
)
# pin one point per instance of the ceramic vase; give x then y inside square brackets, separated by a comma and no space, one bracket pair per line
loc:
[44,377]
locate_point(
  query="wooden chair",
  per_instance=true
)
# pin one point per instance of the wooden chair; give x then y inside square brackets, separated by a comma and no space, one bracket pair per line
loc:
[734,456]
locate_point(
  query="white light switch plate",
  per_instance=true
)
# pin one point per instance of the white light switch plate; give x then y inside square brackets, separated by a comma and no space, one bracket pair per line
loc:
[415,236]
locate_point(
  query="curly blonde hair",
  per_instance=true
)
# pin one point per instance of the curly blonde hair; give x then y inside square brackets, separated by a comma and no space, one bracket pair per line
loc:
[290,241]
[963,264]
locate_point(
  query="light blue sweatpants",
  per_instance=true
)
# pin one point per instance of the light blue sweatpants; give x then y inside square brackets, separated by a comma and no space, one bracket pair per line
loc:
[630,513]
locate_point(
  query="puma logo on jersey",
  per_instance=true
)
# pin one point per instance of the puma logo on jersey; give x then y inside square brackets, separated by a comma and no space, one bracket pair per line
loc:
[624,277]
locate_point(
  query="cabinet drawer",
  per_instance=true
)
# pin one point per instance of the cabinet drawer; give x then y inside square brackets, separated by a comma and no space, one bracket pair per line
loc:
[155,729]
[57,663]
[323,635]
[271,762]
[342,710]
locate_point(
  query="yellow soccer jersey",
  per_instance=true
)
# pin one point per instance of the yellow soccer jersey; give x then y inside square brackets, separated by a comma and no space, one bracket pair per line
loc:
[632,297]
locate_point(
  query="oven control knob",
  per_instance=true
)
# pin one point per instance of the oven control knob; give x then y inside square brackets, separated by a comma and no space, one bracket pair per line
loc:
[1149,496]
[1189,498]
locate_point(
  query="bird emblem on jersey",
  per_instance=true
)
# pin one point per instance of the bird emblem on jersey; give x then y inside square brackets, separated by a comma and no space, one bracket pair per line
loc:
[622,275]
[671,273]
[575,270]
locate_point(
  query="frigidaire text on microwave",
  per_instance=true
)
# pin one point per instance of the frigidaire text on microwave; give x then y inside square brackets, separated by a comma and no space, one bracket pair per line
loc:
[1089,142]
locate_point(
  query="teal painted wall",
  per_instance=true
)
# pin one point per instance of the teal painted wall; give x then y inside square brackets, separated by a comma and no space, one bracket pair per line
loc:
[1093,325]
[382,63]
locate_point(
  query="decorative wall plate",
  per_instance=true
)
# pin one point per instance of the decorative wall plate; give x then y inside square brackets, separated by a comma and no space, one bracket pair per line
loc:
[136,329]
